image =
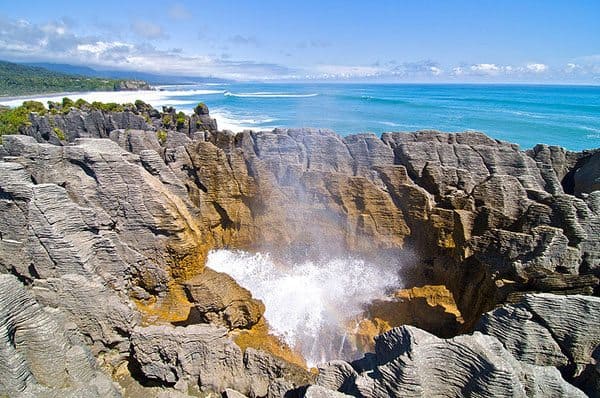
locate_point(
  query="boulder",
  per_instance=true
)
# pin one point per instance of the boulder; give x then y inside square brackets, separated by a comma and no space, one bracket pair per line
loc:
[219,300]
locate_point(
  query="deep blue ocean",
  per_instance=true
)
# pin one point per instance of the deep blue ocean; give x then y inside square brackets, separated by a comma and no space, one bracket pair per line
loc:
[567,116]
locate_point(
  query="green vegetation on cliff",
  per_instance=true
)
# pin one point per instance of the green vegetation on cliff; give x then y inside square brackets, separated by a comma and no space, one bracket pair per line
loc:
[16,79]
[12,119]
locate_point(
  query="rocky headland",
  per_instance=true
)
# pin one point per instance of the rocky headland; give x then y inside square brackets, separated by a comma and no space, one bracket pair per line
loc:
[108,213]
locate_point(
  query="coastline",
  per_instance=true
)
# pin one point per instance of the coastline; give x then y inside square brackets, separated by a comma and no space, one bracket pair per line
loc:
[156,97]
[526,115]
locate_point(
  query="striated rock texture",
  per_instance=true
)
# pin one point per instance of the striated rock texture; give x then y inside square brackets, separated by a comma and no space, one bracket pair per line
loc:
[69,121]
[409,362]
[40,354]
[203,354]
[549,330]
[110,225]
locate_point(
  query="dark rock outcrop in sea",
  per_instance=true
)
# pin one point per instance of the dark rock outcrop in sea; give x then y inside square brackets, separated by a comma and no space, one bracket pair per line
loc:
[105,231]
[131,85]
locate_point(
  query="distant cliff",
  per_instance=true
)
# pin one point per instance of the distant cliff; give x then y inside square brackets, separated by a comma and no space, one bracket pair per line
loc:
[17,79]
[108,212]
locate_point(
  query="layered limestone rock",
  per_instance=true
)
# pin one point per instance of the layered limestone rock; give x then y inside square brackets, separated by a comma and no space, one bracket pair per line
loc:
[68,121]
[409,362]
[112,227]
[549,330]
[131,85]
[93,232]
[41,355]
[203,354]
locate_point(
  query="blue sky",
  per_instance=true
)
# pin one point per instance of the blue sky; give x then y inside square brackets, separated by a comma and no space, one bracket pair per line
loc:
[417,41]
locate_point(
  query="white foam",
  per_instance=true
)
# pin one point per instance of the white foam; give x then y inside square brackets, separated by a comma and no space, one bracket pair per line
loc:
[391,124]
[155,98]
[267,94]
[236,123]
[308,304]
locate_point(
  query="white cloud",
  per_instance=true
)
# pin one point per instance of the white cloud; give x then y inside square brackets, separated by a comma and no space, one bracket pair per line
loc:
[343,71]
[458,71]
[24,41]
[486,69]
[572,68]
[537,68]
[588,65]
[435,70]
[57,41]
[102,46]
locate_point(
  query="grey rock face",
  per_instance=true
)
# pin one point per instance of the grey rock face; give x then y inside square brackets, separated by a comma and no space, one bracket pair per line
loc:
[409,362]
[321,392]
[131,85]
[95,227]
[550,330]
[197,352]
[96,212]
[82,124]
[88,227]
[204,353]
[587,177]
[39,354]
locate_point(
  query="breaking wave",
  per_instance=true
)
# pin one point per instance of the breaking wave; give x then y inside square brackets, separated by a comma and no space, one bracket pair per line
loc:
[267,94]
[309,304]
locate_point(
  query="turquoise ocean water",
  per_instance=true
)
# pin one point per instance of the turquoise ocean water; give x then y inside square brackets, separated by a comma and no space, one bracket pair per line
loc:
[567,116]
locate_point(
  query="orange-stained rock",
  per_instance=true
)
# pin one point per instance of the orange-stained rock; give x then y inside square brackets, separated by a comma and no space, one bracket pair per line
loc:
[361,334]
[258,337]
[430,307]
[171,307]
[218,299]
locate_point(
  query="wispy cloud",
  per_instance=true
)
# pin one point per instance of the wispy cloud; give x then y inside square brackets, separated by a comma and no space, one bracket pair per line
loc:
[24,41]
[417,69]
[179,12]
[537,68]
[588,65]
[343,72]
[57,41]
[148,30]
[314,43]
[486,69]
[240,40]
[509,72]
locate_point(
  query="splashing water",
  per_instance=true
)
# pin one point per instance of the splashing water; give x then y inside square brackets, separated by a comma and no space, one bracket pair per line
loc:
[309,304]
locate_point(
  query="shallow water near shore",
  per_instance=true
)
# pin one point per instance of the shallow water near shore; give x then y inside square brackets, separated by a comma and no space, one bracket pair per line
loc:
[567,116]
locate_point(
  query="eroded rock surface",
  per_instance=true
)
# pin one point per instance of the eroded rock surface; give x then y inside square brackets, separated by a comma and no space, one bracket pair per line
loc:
[203,354]
[550,330]
[40,353]
[111,228]
[410,362]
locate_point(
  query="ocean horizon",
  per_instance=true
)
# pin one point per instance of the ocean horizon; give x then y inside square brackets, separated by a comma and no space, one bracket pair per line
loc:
[525,114]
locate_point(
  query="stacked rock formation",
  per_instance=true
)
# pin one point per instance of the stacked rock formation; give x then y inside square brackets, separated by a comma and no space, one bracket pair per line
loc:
[107,231]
